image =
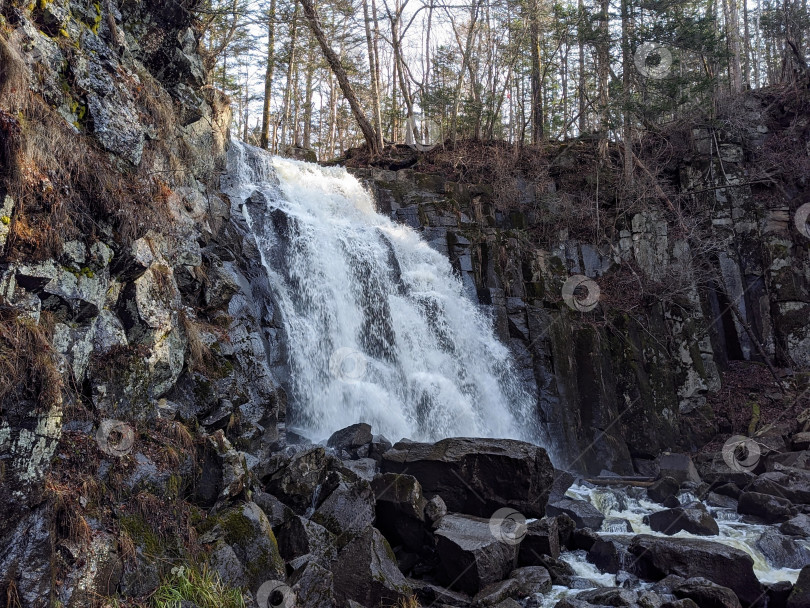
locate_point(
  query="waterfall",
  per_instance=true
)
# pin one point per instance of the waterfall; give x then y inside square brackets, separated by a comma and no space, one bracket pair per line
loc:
[377,326]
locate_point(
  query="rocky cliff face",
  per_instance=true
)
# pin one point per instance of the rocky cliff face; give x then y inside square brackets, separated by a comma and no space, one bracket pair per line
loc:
[127,313]
[619,382]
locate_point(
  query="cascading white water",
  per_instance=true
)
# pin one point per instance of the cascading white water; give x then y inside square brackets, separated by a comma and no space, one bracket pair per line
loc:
[378,328]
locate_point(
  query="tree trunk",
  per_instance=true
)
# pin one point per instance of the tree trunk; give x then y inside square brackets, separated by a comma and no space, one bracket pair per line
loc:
[288,93]
[537,90]
[374,76]
[268,75]
[371,137]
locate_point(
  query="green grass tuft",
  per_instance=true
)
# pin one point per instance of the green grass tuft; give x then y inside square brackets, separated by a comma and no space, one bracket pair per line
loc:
[198,585]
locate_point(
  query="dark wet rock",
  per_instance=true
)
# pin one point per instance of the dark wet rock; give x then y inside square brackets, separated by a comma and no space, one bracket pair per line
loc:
[583,538]
[729,489]
[718,500]
[429,594]
[670,502]
[379,446]
[470,556]
[495,593]
[684,603]
[797,526]
[771,509]
[693,518]
[296,482]
[435,509]
[609,597]
[531,579]
[616,525]
[565,527]
[313,586]
[800,441]
[352,439]
[400,510]
[800,596]
[299,536]
[562,481]
[348,509]
[560,571]
[277,512]
[365,468]
[477,476]
[778,593]
[706,594]
[366,571]
[626,580]
[782,551]
[662,489]
[542,538]
[792,484]
[584,514]
[723,565]
[612,555]
[679,467]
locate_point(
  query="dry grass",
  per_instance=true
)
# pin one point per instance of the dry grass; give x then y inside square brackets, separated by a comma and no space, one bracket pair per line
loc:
[28,371]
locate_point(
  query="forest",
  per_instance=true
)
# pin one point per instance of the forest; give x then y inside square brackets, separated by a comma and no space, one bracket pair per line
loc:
[330,75]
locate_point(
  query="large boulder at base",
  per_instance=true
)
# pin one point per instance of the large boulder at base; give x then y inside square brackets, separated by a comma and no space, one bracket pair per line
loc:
[778,593]
[354,440]
[584,514]
[689,558]
[609,597]
[772,509]
[470,556]
[612,555]
[693,518]
[706,594]
[800,596]
[366,571]
[478,476]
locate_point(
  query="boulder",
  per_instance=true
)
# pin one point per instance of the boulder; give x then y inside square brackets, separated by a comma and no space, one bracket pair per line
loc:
[800,441]
[792,484]
[400,509]
[470,556]
[299,536]
[782,551]
[478,476]
[679,467]
[561,572]
[531,579]
[313,586]
[542,538]
[612,555]
[352,440]
[693,518]
[662,489]
[584,514]
[797,526]
[800,596]
[244,550]
[429,594]
[366,572]
[778,593]
[689,558]
[494,594]
[609,597]
[365,468]
[772,509]
[295,483]
[348,510]
[435,509]
[706,594]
